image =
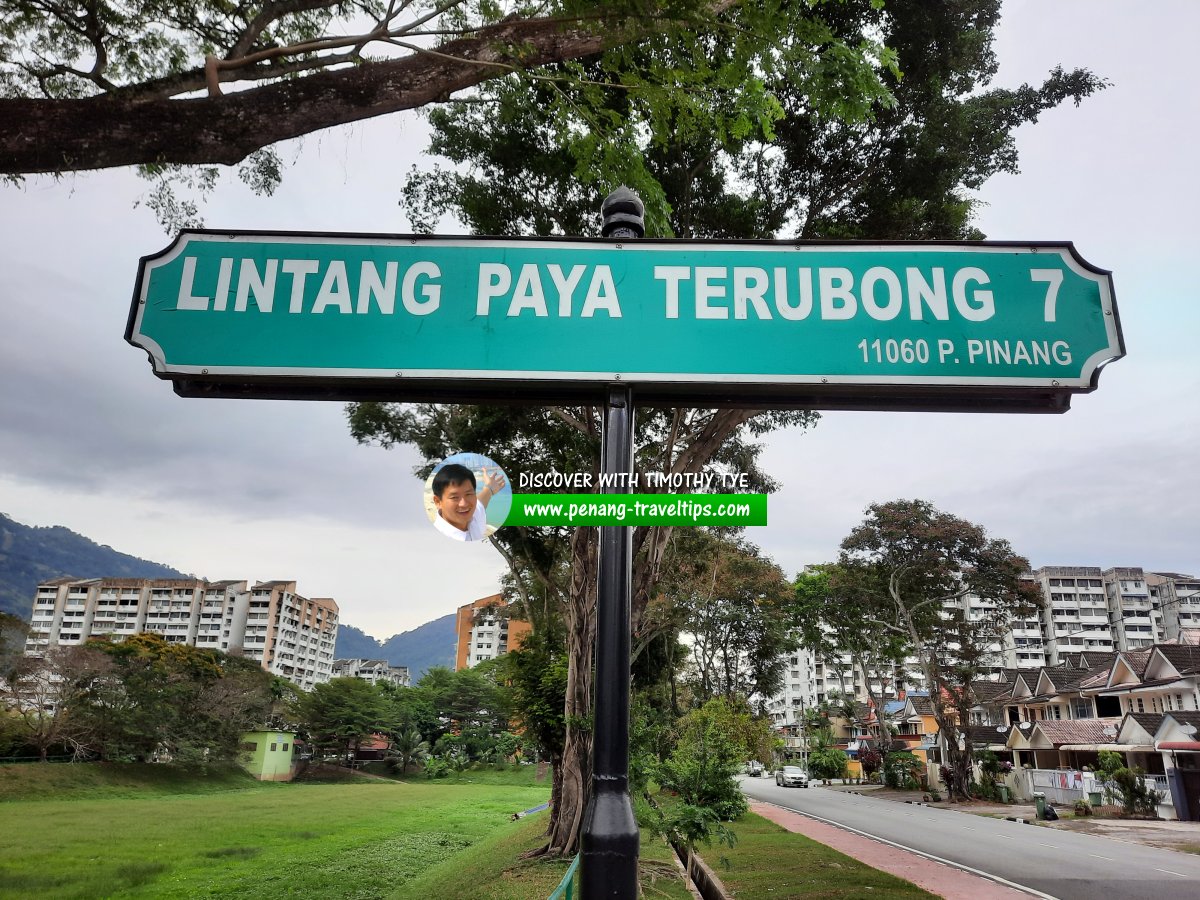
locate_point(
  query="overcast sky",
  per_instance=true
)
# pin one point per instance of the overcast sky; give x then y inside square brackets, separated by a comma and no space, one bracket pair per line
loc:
[263,490]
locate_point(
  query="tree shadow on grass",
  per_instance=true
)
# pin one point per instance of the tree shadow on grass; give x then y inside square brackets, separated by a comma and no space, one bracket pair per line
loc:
[233,853]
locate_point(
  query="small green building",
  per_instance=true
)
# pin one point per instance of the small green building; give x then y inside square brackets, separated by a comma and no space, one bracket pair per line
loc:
[268,755]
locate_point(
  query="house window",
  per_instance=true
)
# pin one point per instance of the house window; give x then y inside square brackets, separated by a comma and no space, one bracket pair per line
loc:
[1141,705]
[274,746]
[1082,708]
[248,746]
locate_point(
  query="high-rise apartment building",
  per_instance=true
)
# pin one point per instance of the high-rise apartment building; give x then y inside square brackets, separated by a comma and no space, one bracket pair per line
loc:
[1074,616]
[483,630]
[288,635]
[1177,598]
[1135,621]
[810,680]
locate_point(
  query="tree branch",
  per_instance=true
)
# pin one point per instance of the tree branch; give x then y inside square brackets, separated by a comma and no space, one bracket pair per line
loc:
[559,413]
[47,135]
[889,626]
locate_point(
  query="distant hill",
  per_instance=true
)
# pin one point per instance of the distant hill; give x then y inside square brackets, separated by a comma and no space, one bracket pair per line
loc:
[428,645]
[355,644]
[30,555]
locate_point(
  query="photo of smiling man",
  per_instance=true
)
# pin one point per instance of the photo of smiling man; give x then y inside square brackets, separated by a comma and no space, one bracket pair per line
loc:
[457,499]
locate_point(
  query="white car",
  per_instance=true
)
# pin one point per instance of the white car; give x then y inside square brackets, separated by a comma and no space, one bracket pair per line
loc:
[754,768]
[791,776]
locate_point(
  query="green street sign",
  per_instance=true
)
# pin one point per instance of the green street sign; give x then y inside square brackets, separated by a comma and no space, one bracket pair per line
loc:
[868,326]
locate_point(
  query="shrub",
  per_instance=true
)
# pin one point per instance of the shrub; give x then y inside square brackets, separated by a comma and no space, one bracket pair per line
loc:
[985,789]
[827,763]
[1110,763]
[871,760]
[703,767]
[1082,807]
[1135,796]
[436,767]
[902,770]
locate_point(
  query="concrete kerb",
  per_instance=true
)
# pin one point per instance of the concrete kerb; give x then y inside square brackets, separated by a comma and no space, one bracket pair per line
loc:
[700,875]
[997,810]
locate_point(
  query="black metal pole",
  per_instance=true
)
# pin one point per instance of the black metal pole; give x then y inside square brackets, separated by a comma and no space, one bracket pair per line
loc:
[609,841]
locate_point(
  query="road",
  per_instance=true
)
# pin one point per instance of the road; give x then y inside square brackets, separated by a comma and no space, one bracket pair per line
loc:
[1060,864]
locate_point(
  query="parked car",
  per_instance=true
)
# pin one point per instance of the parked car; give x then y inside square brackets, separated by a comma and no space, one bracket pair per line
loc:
[791,776]
[754,768]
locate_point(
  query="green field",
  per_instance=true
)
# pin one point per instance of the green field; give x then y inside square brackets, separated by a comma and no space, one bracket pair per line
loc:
[102,836]
[91,831]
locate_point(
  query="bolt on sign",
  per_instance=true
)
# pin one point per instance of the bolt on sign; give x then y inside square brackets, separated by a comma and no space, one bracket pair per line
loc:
[937,326]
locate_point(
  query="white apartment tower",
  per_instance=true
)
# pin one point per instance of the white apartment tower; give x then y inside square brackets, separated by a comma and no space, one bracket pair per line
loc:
[288,635]
[786,708]
[1177,598]
[1136,623]
[810,680]
[1075,615]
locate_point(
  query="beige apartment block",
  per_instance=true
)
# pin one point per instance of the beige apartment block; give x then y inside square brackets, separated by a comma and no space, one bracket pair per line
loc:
[288,635]
[483,630]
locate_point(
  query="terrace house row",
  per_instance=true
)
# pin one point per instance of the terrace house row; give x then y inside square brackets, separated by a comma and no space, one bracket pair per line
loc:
[1143,704]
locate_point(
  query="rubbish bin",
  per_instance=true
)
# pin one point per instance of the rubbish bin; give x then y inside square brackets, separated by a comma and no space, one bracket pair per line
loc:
[1095,798]
[1003,789]
[1040,799]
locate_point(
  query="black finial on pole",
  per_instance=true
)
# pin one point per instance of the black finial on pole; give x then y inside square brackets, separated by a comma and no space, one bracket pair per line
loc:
[624,214]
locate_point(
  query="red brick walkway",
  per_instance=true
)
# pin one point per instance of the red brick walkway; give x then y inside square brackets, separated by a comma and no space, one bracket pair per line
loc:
[935,877]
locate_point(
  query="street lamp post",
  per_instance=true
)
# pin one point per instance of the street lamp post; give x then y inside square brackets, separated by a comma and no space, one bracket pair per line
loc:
[609,841]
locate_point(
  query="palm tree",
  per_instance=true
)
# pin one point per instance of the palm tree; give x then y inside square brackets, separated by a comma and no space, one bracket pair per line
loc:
[408,747]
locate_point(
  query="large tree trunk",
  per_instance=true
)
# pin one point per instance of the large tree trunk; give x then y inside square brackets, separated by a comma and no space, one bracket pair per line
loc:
[575,782]
[957,761]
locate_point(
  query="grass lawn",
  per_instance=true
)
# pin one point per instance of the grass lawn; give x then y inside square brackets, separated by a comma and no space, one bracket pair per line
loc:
[153,831]
[493,870]
[769,861]
[102,837]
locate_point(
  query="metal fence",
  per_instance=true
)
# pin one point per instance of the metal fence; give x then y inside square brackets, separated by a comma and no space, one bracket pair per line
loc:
[566,887]
[1062,786]
[1065,786]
